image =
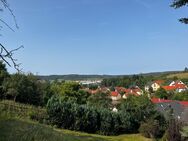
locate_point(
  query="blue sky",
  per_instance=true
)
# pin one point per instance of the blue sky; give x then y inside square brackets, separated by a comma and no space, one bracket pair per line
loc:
[97,36]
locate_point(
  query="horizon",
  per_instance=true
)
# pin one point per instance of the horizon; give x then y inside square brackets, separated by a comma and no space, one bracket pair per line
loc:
[153,72]
[97,37]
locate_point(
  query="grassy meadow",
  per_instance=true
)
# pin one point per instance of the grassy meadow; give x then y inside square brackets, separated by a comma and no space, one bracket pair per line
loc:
[183,75]
[25,130]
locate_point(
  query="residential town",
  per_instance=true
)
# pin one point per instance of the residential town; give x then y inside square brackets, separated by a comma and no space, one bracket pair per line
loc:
[180,108]
[120,92]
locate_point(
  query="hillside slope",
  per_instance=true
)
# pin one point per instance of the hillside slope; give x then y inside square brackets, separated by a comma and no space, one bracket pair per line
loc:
[19,130]
[183,75]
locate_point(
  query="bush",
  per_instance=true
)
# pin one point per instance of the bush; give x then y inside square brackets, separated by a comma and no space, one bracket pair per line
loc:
[23,111]
[173,131]
[154,127]
[183,96]
[41,117]
[150,129]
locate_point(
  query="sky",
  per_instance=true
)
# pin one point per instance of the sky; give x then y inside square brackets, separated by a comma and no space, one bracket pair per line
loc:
[97,36]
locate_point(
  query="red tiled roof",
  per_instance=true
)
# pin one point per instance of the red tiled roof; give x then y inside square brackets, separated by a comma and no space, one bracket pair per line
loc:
[184,103]
[159,81]
[120,89]
[180,86]
[174,87]
[169,88]
[132,91]
[158,100]
[114,93]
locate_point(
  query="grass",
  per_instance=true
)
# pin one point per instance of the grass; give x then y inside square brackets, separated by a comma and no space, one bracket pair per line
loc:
[185,132]
[183,75]
[12,129]
[16,125]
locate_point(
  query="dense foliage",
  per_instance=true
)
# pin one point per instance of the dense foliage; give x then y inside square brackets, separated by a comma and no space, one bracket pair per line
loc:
[183,96]
[127,81]
[154,127]
[162,93]
[100,100]
[3,75]
[26,89]
[71,115]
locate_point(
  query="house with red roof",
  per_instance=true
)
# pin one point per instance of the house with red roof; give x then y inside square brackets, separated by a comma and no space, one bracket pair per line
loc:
[115,96]
[177,86]
[133,91]
[120,89]
[169,88]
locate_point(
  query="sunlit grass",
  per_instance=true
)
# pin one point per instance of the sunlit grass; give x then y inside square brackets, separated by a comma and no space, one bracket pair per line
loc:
[22,130]
[179,75]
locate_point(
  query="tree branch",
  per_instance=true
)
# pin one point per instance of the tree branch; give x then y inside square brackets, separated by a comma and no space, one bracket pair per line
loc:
[179,3]
[6,5]
[184,20]
[5,54]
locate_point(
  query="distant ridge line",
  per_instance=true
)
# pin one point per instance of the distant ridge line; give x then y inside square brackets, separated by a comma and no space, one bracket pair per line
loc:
[97,77]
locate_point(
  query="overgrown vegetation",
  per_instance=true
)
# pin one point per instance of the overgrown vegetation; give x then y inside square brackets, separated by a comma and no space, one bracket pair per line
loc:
[73,116]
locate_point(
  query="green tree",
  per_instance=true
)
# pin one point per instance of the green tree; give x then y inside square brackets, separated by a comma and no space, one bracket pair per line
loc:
[161,93]
[3,72]
[183,96]
[46,91]
[56,87]
[154,126]
[132,113]
[3,76]
[24,89]
[106,122]
[179,3]
[61,114]
[70,91]
[100,100]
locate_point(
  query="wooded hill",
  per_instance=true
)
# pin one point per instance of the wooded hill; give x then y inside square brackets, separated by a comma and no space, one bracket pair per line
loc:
[99,77]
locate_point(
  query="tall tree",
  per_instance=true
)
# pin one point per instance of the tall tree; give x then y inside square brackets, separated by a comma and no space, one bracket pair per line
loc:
[179,3]
[162,93]
[3,76]
[24,88]
[100,100]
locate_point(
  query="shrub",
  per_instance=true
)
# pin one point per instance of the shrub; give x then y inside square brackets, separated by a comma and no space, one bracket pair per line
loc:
[23,110]
[150,129]
[39,116]
[154,127]
[173,131]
